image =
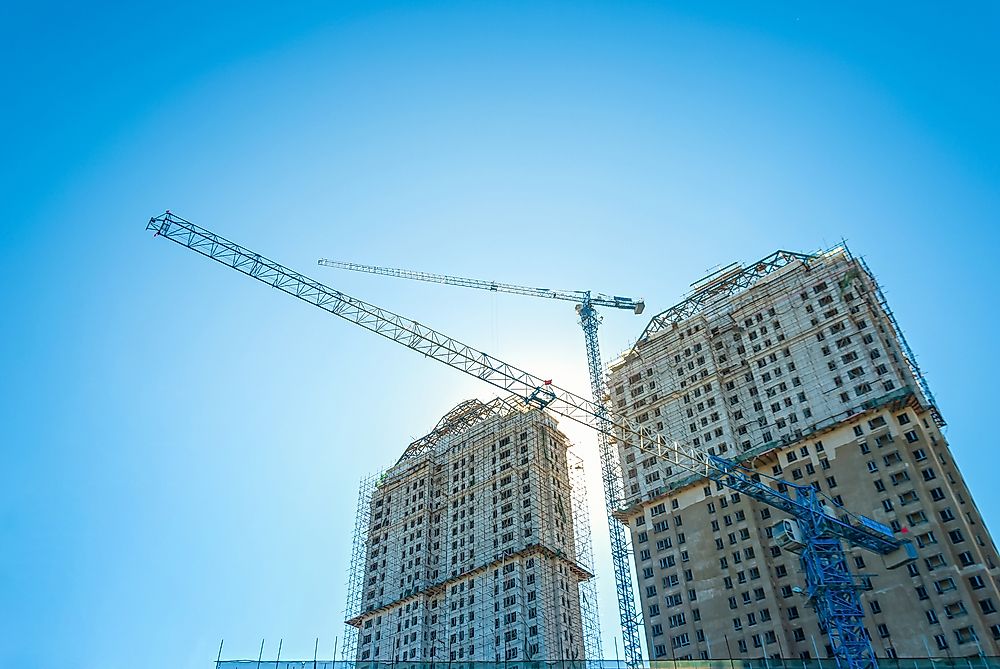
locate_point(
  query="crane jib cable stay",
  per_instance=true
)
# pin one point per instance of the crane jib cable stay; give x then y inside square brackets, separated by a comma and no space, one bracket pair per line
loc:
[611,478]
[816,532]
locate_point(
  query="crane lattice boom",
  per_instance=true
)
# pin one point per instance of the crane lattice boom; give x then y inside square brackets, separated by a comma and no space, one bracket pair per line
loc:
[578,296]
[531,388]
[822,556]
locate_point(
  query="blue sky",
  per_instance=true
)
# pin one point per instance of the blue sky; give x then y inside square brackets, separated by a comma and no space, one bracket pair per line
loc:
[182,446]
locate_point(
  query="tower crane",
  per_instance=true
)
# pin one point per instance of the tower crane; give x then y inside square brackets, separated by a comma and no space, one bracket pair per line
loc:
[818,524]
[614,487]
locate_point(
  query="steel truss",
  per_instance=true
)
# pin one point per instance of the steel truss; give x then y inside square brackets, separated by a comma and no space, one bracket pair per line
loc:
[724,284]
[614,491]
[833,593]
[577,296]
[462,417]
[824,573]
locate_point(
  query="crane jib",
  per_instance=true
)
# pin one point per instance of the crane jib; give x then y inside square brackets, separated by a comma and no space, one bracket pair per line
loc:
[533,389]
[823,558]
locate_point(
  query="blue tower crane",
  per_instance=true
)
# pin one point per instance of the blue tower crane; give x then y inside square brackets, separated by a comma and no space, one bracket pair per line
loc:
[614,488]
[818,524]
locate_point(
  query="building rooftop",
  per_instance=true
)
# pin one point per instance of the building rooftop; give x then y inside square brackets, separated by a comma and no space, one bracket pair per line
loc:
[465,415]
[729,280]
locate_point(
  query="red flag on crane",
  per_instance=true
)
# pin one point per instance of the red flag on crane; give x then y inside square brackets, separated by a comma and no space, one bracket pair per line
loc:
[548,383]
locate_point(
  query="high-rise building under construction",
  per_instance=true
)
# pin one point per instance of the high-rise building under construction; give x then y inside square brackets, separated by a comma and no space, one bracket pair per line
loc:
[475,546]
[796,367]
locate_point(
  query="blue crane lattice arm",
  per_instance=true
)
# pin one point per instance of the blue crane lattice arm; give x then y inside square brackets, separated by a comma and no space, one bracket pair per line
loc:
[831,586]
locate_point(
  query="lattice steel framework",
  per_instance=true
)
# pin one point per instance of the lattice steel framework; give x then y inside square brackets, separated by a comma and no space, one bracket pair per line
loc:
[834,593]
[723,284]
[465,415]
[539,393]
[735,279]
[832,588]
[585,556]
[610,471]
[577,296]
[356,574]
[614,491]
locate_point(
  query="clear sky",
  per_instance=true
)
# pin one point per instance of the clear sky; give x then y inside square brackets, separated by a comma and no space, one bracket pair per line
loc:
[181,446]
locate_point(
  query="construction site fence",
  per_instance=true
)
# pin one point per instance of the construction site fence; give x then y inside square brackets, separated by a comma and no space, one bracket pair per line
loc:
[973,662]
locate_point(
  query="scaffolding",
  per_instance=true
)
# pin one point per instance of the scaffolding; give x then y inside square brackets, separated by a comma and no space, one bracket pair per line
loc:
[356,572]
[476,546]
[719,285]
[710,293]
[585,556]
[911,358]
[757,360]
[728,336]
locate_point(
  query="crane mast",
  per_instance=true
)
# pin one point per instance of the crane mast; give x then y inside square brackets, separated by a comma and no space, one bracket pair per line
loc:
[831,587]
[611,478]
[614,491]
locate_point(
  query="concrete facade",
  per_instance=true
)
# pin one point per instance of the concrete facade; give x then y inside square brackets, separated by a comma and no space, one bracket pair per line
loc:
[471,551]
[794,366]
